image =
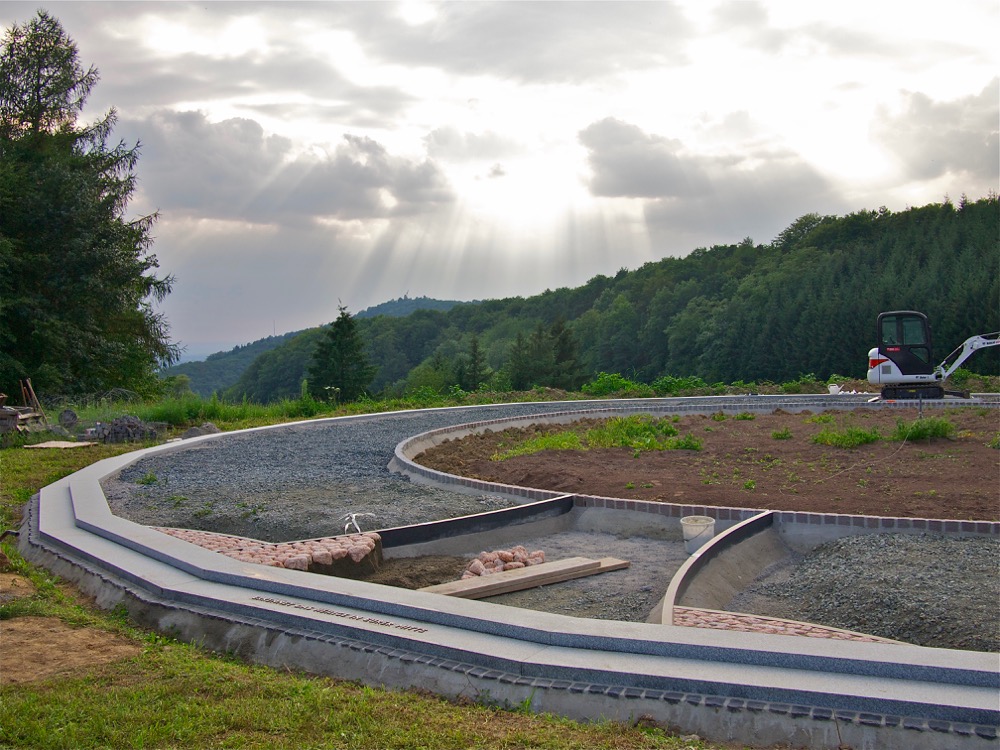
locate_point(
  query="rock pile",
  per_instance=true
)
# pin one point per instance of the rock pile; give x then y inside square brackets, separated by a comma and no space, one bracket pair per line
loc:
[504,559]
[124,430]
[206,428]
[328,555]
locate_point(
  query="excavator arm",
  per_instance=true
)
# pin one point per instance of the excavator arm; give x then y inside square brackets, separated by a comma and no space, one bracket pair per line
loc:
[971,345]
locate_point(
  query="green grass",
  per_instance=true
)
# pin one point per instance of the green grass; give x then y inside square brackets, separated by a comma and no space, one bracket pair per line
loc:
[639,432]
[560,441]
[783,434]
[923,429]
[176,695]
[849,437]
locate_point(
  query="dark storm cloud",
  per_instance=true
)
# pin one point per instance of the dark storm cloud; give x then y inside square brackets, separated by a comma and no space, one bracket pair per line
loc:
[934,138]
[233,170]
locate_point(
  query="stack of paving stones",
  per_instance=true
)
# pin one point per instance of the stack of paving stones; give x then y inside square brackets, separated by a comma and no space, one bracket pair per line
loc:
[124,430]
[691,617]
[503,559]
[339,555]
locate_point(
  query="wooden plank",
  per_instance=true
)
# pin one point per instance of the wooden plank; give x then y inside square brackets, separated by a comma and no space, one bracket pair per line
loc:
[528,573]
[528,577]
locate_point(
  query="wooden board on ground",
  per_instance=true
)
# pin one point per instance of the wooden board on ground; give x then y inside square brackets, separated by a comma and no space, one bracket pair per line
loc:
[60,444]
[528,577]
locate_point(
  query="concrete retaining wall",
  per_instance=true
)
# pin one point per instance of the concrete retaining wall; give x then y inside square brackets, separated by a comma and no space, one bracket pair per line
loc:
[724,686]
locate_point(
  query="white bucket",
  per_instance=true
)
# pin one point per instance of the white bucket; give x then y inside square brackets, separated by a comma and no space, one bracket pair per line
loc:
[697,531]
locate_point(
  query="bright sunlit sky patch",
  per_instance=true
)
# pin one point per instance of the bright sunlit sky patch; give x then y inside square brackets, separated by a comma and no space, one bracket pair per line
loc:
[302,155]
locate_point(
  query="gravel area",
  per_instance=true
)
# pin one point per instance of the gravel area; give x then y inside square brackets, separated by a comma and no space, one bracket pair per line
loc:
[924,589]
[295,482]
[628,594]
[298,481]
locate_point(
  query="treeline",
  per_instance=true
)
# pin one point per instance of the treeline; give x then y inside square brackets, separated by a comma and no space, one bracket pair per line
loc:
[220,370]
[804,303]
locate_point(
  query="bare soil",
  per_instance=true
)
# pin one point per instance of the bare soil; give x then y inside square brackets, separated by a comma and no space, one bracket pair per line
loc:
[743,464]
[30,651]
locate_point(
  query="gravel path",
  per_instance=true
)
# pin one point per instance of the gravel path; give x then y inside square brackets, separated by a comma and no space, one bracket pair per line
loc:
[298,481]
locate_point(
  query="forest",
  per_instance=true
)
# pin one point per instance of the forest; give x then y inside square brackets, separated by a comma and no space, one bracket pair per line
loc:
[804,303]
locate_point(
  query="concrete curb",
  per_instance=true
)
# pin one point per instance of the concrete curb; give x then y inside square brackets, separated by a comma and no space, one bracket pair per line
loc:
[725,686]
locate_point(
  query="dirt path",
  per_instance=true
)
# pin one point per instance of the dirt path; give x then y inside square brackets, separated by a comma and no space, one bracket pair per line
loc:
[769,461]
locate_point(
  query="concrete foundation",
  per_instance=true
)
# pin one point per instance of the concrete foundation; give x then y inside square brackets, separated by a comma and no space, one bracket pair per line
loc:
[725,686]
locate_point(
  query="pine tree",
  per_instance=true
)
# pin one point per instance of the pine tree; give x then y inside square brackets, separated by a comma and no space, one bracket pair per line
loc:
[475,370]
[340,368]
[77,282]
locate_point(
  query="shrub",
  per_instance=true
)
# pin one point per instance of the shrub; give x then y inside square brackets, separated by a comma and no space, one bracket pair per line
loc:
[612,383]
[668,385]
[783,434]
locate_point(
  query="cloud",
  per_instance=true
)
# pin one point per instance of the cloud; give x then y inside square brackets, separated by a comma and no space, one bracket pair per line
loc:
[453,145]
[932,138]
[690,197]
[233,170]
[536,42]
[627,162]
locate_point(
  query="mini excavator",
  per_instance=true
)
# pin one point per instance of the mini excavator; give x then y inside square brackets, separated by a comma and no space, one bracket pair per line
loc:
[901,363]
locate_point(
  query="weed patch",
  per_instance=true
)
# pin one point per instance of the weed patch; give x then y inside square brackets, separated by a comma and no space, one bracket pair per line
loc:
[560,441]
[924,429]
[850,437]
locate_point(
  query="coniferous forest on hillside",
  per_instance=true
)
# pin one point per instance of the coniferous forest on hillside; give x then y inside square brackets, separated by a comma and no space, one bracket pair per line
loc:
[804,303]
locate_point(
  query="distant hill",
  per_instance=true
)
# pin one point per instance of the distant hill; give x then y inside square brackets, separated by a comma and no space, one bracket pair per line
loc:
[221,370]
[400,308]
[803,304]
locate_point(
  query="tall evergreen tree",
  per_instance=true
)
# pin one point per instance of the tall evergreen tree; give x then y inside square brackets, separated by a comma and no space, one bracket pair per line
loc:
[565,361]
[476,369]
[77,281]
[519,365]
[340,368]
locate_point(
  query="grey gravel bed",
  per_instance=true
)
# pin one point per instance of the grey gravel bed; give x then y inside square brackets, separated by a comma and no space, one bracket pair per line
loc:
[925,589]
[298,481]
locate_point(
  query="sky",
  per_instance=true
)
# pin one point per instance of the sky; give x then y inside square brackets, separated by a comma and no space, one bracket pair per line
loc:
[303,156]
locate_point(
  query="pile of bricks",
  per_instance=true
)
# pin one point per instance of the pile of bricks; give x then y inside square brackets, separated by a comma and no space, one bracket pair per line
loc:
[504,559]
[314,555]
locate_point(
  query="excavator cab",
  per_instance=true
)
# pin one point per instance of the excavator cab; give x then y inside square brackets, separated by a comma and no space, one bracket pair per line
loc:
[902,365]
[904,337]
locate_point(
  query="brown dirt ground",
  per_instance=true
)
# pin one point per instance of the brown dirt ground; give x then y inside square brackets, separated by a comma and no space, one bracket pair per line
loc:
[742,465]
[28,650]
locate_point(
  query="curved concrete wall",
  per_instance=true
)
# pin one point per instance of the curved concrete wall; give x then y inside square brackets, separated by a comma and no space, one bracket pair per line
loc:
[772,688]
